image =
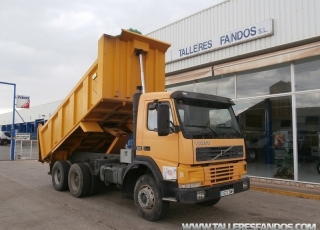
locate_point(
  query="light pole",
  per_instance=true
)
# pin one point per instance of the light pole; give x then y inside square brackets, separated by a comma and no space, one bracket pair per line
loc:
[13,131]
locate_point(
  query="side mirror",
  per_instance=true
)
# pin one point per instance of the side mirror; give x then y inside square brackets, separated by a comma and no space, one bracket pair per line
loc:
[163,120]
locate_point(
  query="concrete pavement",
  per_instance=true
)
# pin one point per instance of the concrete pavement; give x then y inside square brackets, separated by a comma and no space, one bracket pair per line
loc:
[295,191]
[302,190]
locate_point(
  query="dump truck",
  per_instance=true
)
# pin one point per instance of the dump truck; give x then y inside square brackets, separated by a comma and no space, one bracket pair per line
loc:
[185,146]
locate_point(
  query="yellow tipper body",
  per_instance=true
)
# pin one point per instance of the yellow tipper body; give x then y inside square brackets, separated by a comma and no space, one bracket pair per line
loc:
[96,116]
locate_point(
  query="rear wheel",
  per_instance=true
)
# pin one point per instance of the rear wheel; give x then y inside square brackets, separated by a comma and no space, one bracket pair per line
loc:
[59,174]
[148,199]
[209,202]
[79,180]
[95,182]
[318,168]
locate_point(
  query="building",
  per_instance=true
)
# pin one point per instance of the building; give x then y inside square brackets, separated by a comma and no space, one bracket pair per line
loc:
[265,56]
[27,120]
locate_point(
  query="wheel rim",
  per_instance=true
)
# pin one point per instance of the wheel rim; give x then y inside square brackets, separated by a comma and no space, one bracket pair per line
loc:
[57,176]
[252,155]
[74,179]
[146,197]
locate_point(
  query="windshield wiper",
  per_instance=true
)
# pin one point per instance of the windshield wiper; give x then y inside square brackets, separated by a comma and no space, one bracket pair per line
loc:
[203,126]
[228,127]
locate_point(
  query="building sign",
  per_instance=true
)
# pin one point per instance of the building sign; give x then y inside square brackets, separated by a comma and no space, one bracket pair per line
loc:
[23,101]
[251,32]
[22,136]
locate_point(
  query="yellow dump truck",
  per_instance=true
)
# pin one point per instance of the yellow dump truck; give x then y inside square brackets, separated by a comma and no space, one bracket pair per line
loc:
[186,147]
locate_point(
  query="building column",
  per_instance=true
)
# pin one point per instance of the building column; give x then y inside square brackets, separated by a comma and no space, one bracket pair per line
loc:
[268,127]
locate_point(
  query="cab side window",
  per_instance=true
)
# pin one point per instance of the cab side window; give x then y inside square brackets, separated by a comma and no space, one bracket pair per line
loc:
[152,116]
[152,119]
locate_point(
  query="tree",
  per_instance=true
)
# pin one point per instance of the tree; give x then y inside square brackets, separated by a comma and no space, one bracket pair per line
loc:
[134,30]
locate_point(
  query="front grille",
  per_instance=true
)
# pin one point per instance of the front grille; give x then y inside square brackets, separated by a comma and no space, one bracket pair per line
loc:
[221,173]
[226,187]
[209,154]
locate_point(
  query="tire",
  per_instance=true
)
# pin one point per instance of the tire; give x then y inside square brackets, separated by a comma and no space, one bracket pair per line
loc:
[251,155]
[148,199]
[5,142]
[79,180]
[59,174]
[95,182]
[209,202]
[318,168]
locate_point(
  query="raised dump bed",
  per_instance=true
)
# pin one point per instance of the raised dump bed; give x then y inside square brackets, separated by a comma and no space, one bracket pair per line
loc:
[96,116]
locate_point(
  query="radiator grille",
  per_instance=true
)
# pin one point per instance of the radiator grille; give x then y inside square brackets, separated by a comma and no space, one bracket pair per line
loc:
[228,152]
[221,173]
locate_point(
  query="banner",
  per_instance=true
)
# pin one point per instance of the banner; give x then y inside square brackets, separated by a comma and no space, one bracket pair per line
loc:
[23,101]
[22,136]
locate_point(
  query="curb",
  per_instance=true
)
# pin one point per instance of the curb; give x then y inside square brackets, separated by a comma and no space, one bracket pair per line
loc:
[286,193]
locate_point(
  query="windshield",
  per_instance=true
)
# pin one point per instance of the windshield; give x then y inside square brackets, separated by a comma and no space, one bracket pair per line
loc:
[206,120]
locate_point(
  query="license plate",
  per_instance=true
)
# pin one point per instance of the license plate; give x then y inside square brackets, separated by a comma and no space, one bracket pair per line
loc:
[227,192]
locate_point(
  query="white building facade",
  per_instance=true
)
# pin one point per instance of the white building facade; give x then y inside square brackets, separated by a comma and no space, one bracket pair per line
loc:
[265,56]
[27,120]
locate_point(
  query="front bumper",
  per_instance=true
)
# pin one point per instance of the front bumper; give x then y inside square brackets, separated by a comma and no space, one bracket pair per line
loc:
[189,195]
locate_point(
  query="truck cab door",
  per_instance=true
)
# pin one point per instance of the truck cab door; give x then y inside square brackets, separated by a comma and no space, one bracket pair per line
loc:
[163,149]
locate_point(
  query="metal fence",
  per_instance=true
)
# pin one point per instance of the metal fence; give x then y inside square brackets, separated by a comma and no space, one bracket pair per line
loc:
[26,149]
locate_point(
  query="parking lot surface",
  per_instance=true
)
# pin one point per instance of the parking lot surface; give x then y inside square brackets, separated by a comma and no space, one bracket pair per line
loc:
[28,201]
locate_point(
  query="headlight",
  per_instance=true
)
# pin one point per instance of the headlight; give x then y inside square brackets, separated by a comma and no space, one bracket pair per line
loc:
[192,185]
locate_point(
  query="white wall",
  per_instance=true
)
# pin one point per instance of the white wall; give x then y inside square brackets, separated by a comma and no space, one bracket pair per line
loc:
[294,21]
[31,114]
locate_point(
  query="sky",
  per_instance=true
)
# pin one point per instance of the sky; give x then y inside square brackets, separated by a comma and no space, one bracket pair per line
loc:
[47,46]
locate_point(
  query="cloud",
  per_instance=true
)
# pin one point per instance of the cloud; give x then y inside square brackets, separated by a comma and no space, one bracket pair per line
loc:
[47,46]
[74,20]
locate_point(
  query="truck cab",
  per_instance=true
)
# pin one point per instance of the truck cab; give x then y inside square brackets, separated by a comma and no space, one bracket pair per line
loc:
[5,137]
[189,149]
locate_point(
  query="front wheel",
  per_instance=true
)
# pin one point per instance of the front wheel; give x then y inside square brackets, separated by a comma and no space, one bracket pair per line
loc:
[148,199]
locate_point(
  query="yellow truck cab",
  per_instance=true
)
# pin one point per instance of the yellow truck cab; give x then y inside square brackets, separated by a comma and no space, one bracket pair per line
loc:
[187,147]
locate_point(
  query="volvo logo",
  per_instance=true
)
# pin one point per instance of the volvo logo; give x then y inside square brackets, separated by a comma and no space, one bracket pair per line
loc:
[202,142]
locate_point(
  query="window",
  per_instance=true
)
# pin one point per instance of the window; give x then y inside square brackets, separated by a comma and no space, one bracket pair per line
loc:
[152,119]
[181,86]
[222,85]
[308,136]
[268,135]
[264,81]
[307,72]
[153,115]
[200,119]
[220,117]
